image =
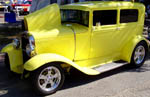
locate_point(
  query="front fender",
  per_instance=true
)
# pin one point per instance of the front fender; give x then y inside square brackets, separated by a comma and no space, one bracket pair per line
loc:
[129,48]
[42,59]
[15,58]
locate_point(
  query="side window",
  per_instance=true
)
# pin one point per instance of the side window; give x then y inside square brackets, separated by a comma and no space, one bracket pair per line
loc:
[105,17]
[53,1]
[128,15]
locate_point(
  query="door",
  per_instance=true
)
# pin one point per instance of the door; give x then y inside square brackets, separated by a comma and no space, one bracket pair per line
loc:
[104,33]
[128,26]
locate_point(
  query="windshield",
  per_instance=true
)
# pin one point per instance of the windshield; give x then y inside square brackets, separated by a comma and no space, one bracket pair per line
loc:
[75,16]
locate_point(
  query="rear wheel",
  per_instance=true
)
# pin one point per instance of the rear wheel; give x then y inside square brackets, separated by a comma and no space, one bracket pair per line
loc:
[48,79]
[139,55]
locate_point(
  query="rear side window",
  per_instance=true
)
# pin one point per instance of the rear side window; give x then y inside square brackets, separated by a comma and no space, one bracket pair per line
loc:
[105,17]
[128,15]
[53,1]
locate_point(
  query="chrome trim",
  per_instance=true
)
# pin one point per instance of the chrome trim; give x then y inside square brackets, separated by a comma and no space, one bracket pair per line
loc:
[31,38]
[16,43]
[49,78]
[139,55]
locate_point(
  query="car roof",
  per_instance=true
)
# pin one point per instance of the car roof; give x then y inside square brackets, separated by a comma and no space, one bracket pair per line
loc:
[93,5]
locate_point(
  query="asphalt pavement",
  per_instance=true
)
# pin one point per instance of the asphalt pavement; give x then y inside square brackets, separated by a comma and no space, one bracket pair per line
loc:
[120,82]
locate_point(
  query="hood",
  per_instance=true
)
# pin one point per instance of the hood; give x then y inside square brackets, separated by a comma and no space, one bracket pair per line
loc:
[44,19]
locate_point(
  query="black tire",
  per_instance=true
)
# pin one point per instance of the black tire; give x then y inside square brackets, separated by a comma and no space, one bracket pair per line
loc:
[11,74]
[148,29]
[7,63]
[135,63]
[37,84]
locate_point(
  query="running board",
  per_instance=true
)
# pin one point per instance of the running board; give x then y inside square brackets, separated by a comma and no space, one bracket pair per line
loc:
[110,66]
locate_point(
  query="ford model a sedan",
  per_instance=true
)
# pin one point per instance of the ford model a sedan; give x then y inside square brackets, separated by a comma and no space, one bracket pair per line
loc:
[88,36]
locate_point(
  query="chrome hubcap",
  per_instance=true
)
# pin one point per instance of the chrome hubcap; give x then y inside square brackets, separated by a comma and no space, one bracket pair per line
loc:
[49,79]
[139,55]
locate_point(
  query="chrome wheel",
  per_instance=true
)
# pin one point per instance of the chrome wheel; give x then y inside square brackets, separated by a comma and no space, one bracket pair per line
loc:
[139,54]
[49,78]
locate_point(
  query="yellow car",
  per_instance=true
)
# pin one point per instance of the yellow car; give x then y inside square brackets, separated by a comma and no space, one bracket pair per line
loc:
[89,36]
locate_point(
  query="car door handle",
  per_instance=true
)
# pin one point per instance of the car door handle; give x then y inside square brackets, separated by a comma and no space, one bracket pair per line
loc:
[118,28]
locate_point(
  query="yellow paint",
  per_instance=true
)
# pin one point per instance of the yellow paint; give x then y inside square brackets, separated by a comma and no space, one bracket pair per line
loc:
[41,59]
[46,18]
[85,47]
[15,58]
[129,47]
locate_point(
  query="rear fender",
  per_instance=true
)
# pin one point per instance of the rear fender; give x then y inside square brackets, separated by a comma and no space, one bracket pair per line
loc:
[129,48]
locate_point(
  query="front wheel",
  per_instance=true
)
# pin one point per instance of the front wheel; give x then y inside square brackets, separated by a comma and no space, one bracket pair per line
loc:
[139,55]
[48,79]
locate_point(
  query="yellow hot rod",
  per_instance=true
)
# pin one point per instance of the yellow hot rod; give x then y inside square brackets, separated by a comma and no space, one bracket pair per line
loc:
[89,36]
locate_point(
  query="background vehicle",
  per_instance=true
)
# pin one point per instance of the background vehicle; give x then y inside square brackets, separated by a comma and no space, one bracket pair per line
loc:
[23,8]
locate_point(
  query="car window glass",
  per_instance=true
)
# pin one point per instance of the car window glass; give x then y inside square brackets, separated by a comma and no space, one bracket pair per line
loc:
[53,1]
[128,15]
[105,17]
[75,16]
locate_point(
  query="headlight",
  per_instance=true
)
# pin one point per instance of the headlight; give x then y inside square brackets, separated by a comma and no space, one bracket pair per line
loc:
[32,42]
[30,47]
[16,43]
[28,50]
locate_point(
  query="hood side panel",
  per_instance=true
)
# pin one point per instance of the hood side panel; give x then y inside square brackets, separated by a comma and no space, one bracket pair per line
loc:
[46,18]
